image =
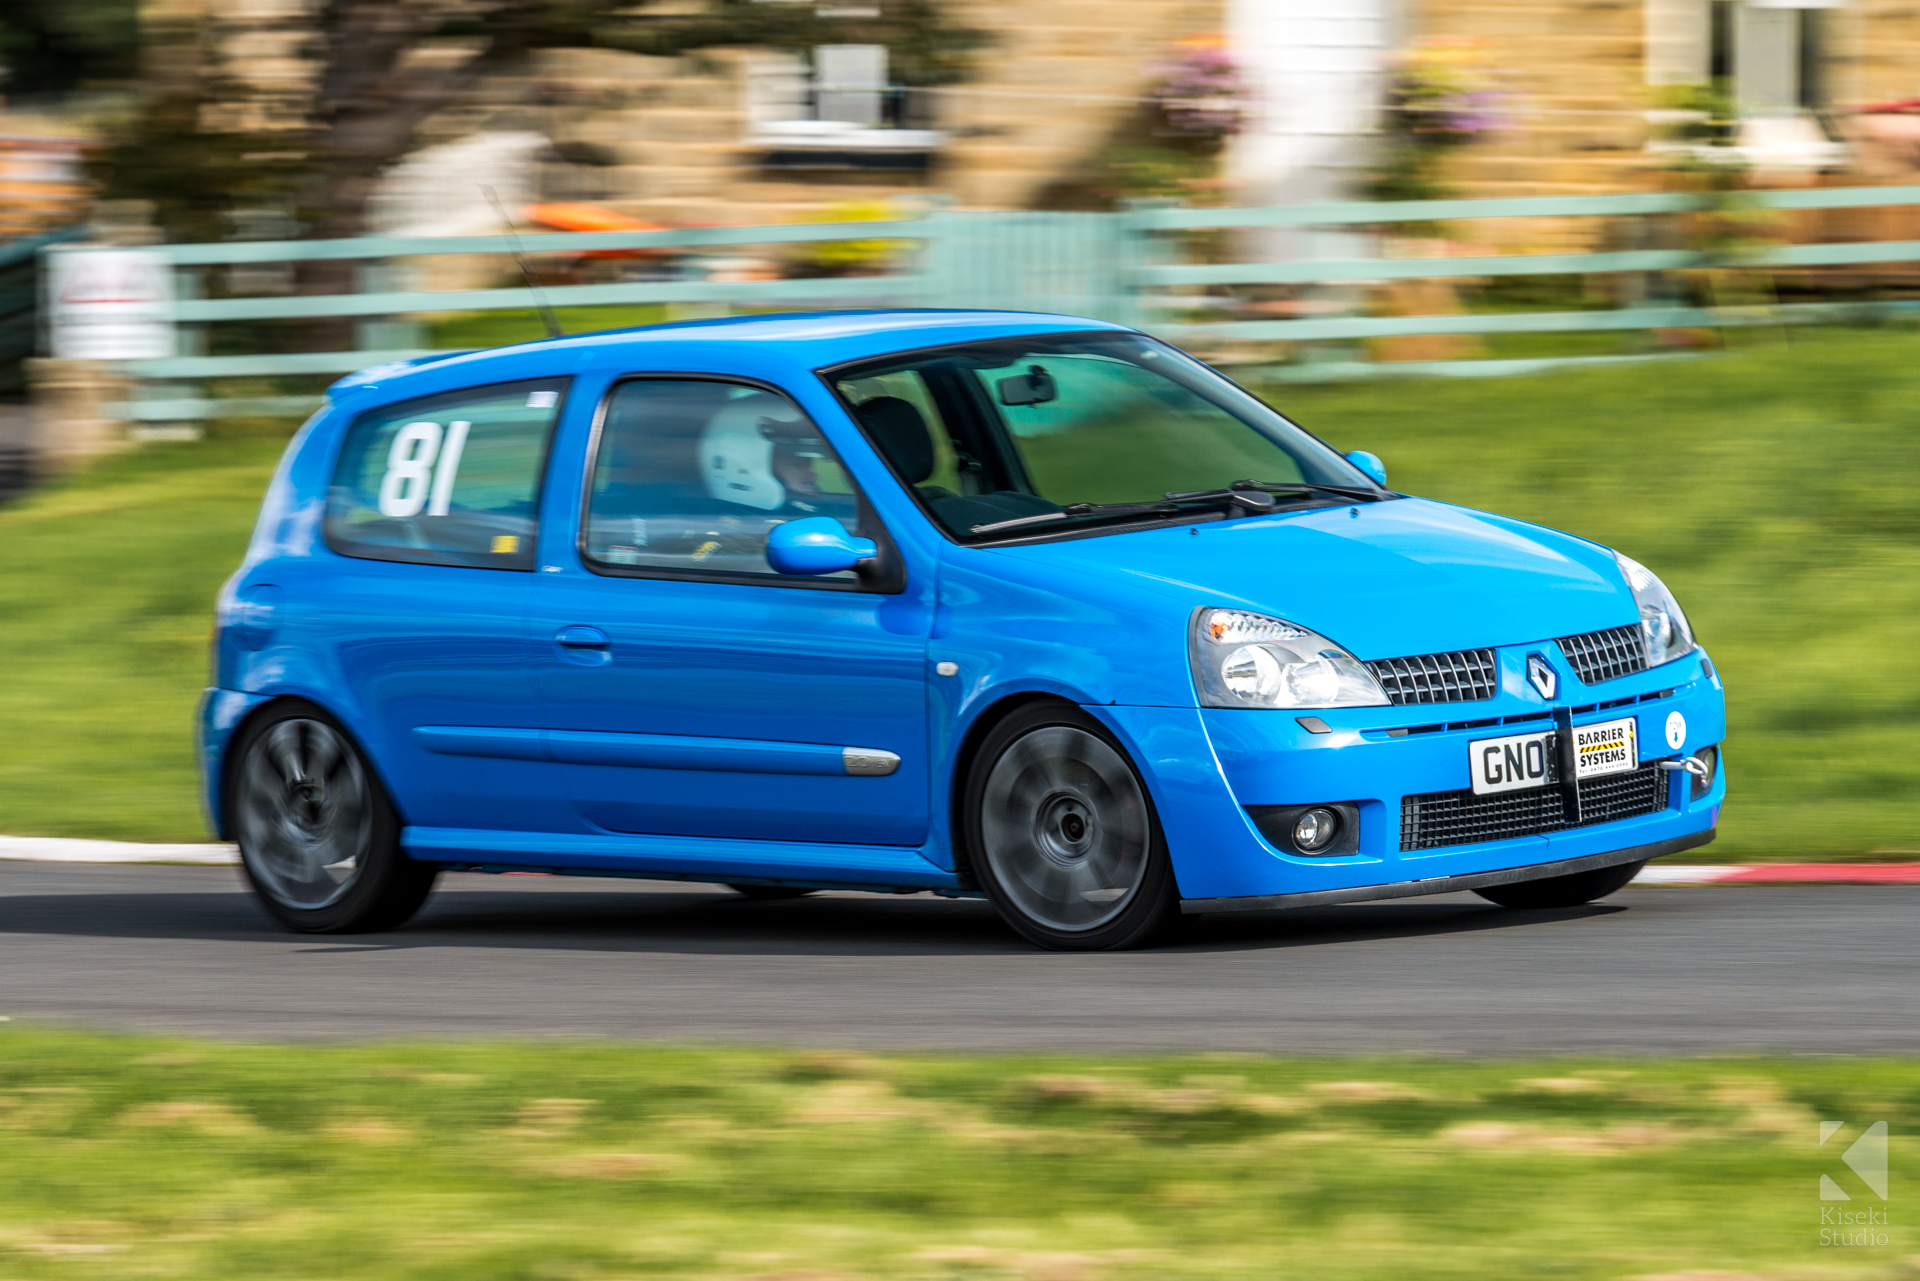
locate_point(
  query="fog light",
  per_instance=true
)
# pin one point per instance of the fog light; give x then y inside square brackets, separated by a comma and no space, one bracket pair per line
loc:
[1330,829]
[1703,779]
[1315,829]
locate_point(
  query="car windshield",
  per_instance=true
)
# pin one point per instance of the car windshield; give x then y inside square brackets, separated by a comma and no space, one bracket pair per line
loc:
[1069,427]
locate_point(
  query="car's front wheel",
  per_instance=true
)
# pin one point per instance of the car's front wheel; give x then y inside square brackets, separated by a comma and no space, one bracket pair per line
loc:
[319,841]
[1062,835]
[1563,891]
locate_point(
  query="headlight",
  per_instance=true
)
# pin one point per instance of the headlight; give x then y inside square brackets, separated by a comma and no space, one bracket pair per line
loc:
[1669,636]
[1251,660]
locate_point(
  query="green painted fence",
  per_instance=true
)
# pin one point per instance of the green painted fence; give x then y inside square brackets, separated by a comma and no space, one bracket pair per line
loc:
[1117,266]
[1426,211]
[20,301]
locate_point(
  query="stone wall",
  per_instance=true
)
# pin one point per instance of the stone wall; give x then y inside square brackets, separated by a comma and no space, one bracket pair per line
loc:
[1060,75]
[1883,49]
[1574,73]
[1063,74]
[1577,74]
[672,128]
[1058,79]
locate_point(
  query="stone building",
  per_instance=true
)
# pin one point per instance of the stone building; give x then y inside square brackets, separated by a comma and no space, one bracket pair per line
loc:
[741,135]
[736,134]
[1586,74]
[1591,96]
[1582,85]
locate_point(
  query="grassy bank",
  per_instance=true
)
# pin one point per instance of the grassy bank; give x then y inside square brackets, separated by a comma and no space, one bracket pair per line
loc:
[1771,488]
[106,595]
[499,328]
[130,1157]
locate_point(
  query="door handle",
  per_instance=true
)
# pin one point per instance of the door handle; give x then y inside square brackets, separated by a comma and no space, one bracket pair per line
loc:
[580,638]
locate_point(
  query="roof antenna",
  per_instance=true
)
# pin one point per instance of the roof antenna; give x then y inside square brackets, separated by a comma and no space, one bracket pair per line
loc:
[526,272]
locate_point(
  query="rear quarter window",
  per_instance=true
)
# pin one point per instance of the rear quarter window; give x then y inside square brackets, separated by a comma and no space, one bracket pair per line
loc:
[452,479]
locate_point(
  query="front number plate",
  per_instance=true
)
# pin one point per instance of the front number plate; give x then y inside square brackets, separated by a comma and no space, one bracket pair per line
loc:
[1521,761]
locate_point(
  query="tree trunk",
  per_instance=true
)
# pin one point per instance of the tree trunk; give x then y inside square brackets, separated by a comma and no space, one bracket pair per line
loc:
[368,105]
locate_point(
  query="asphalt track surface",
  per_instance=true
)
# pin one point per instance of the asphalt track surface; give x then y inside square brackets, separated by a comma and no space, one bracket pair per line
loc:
[1824,969]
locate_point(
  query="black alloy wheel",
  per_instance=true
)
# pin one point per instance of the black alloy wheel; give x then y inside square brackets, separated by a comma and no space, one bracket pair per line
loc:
[1563,891]
[319,840]
[1061,834]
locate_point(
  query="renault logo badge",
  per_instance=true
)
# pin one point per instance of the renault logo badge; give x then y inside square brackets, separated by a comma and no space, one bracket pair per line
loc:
[1542,676]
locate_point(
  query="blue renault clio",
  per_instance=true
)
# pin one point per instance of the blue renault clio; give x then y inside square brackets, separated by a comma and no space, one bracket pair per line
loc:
[1024,606]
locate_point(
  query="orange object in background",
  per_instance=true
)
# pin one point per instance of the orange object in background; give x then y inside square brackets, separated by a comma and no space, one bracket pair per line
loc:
[43,182]
[567,216]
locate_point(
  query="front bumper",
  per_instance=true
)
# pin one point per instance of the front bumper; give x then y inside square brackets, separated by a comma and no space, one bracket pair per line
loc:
[1450,884]
[1206,766]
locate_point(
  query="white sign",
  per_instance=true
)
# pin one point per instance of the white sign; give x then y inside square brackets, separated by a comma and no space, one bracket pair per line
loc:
[110,304]
[1612,747]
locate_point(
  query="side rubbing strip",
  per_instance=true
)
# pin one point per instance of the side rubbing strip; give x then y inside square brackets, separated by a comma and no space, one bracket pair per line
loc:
[479,740]
[657,751]
[869,762]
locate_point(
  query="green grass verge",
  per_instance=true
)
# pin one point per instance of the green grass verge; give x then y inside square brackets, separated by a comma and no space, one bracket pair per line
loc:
[107,582]
[130,1157]
[501,328]
[1770,487]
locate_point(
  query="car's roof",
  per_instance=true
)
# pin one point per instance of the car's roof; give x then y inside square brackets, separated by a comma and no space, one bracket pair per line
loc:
[815,338]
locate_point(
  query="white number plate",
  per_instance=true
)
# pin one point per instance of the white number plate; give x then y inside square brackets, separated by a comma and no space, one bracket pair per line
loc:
[1521,761]
[1513,763]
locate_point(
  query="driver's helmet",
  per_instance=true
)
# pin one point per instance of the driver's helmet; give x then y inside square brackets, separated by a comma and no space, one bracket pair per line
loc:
[741,443]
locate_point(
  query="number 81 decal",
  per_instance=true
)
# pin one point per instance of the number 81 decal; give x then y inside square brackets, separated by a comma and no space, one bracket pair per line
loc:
[413,481]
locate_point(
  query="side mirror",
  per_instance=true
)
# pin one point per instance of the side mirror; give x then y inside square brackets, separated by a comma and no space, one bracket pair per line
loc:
[1035,387]
[1370,464]
[816,545]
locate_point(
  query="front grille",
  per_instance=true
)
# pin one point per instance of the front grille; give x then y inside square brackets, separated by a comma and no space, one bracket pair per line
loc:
[1439,819]
[1467,676]
[1601,656]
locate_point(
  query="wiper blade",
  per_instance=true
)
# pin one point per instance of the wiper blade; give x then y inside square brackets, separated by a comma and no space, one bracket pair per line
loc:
[1249,495]
[1245,488]
[1075,510]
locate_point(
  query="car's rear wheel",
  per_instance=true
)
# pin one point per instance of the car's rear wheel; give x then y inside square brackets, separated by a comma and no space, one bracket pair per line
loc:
[769,893]
[1062,836]
[319,840]
[1563,891]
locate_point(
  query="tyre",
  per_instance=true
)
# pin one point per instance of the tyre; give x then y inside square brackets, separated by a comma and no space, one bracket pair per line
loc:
[1062,836]
[769,893]
[319,840]
[1563,891]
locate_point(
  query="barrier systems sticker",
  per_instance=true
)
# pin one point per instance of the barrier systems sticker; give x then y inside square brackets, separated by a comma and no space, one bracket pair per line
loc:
[1610,747]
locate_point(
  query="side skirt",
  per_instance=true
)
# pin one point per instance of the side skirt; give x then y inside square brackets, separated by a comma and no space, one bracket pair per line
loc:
[711,878]
[885,868]
[1448,884]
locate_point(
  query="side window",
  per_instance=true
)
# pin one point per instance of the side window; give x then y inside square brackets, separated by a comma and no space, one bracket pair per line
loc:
[452,479]
[690,475]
